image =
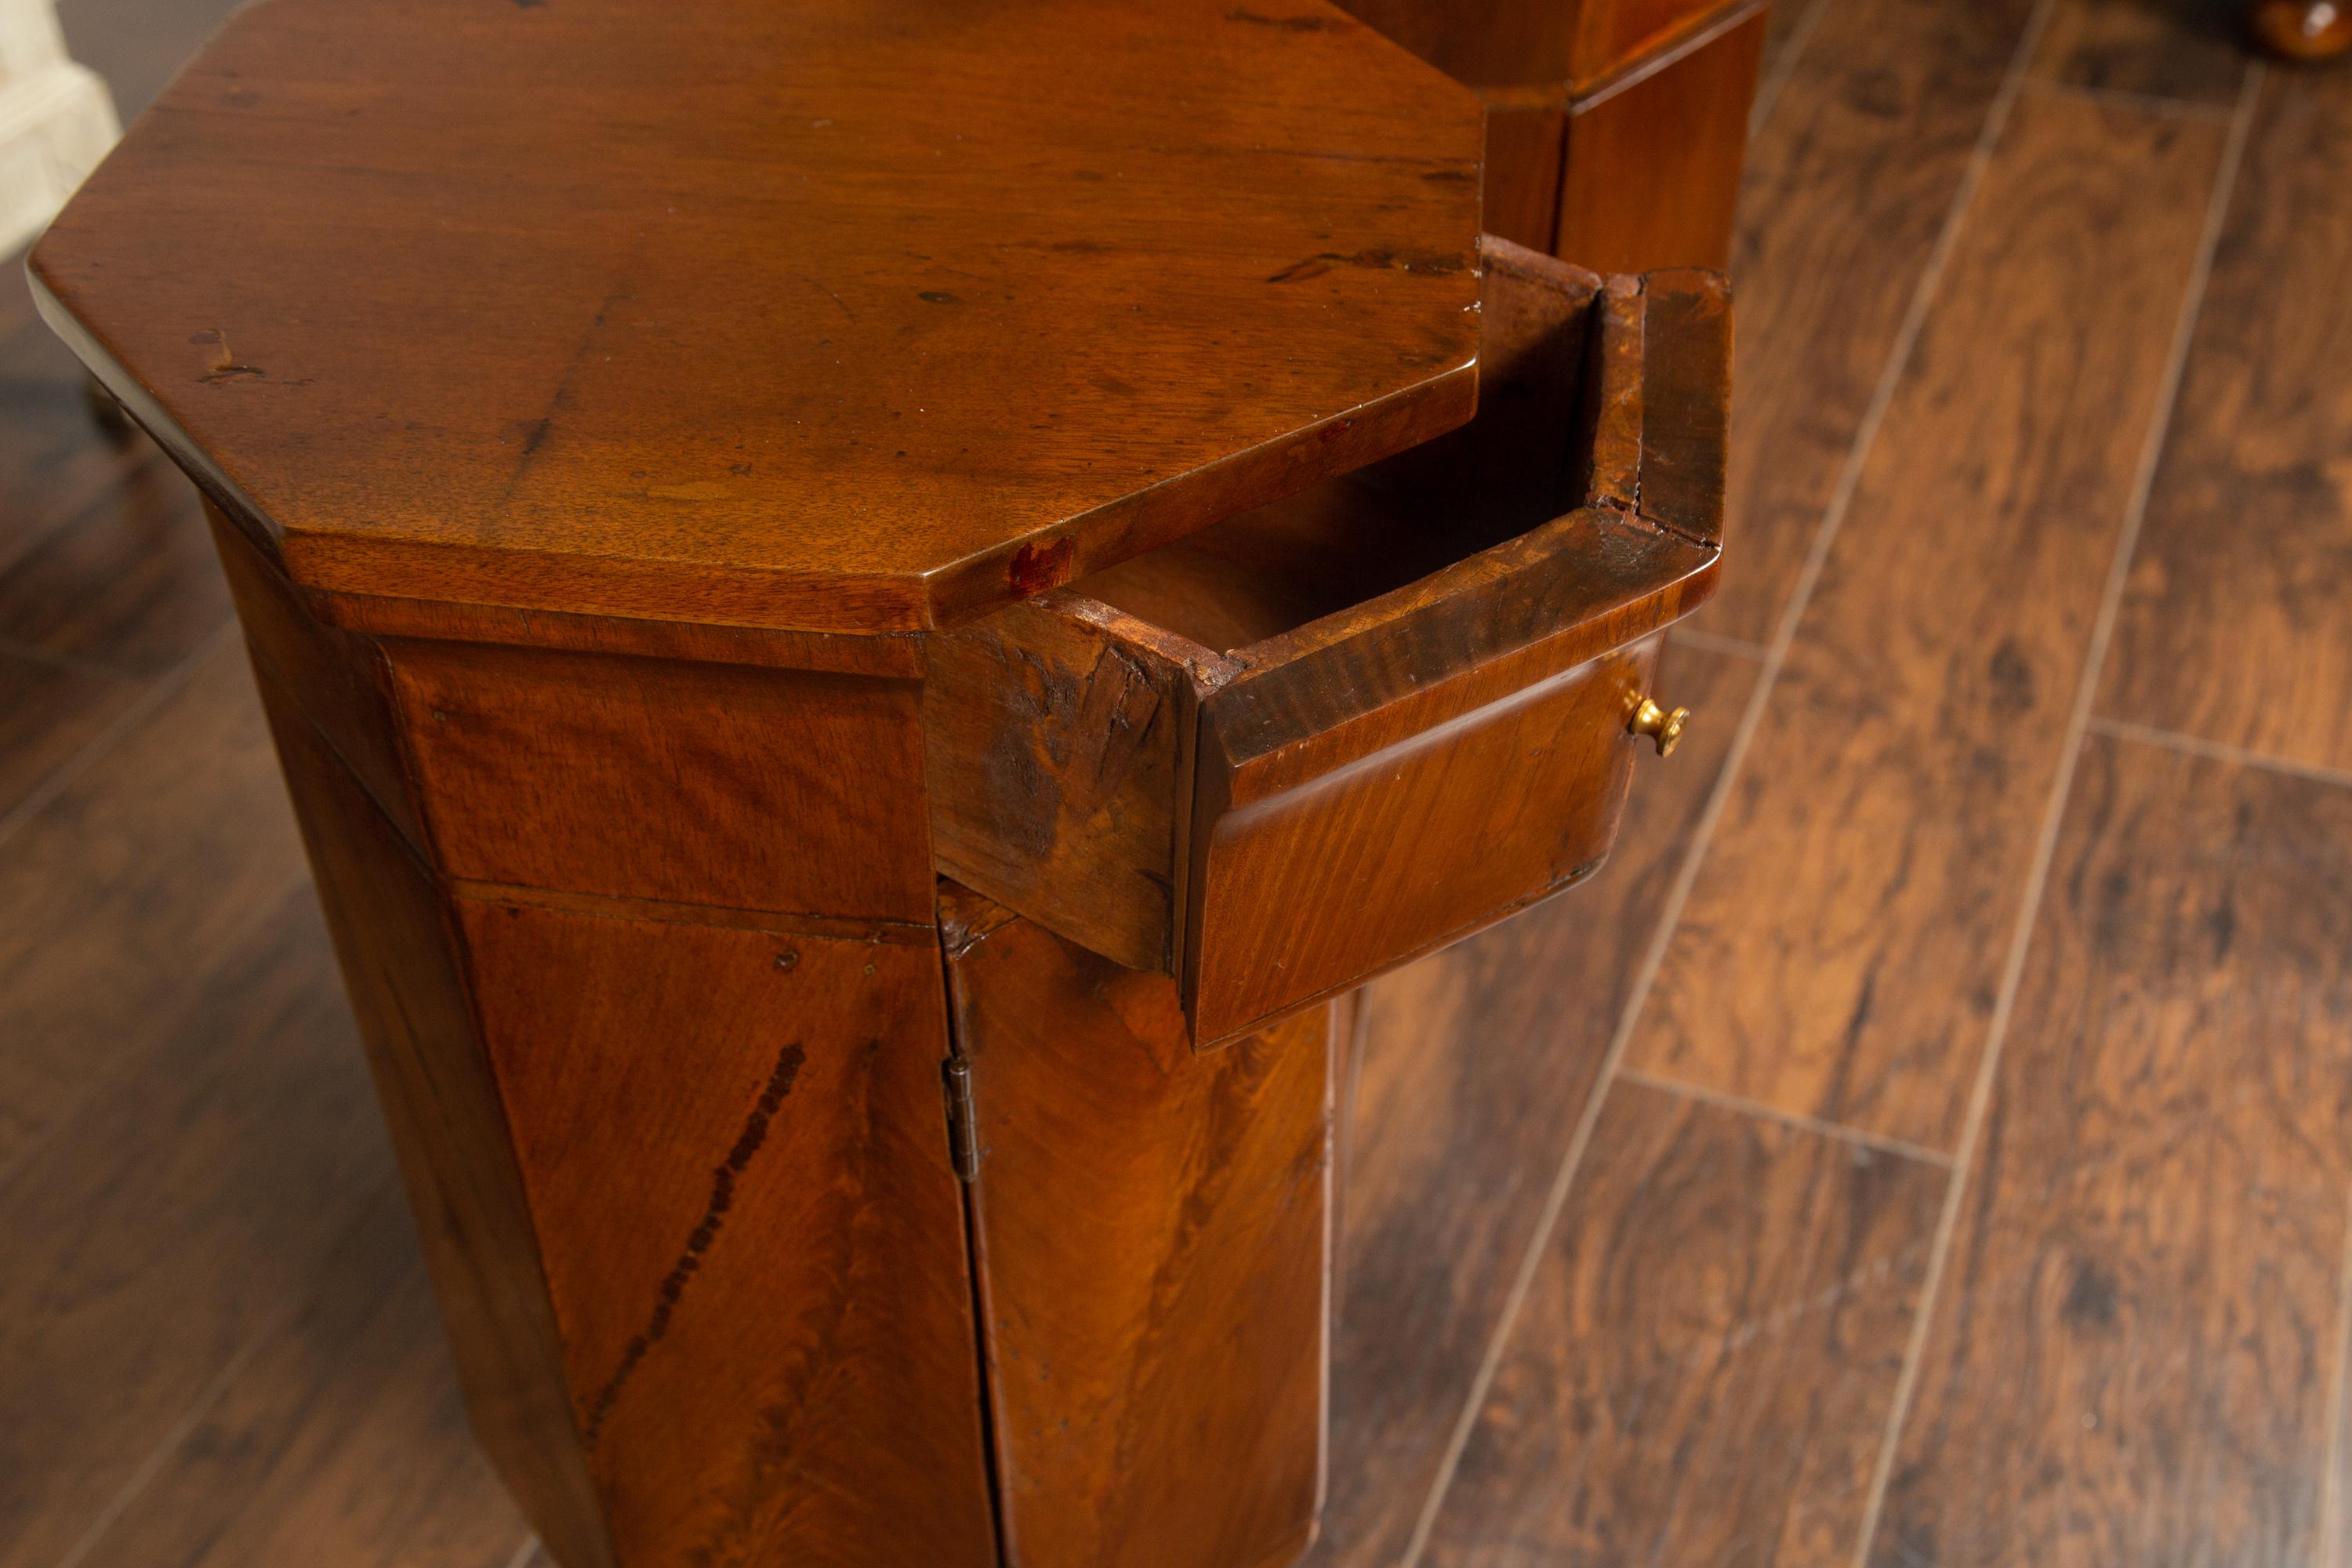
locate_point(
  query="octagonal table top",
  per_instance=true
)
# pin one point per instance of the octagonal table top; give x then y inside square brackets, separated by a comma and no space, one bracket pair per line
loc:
[850,315]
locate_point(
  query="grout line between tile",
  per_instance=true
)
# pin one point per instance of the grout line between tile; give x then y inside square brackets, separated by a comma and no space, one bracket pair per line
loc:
[1792,50]
[2053,811]
[2140,103]
[1784,635]
[1714,642]
[1762,1112]
[2331,1479]
[168,685]
[2219,751]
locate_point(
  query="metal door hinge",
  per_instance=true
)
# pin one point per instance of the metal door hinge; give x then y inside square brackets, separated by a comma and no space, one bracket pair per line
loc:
[963,1122]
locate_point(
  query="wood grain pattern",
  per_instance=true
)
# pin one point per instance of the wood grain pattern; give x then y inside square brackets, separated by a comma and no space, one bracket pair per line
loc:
[1650,171]
[1840,950]
[195,1193]
[1686,402]
[341,1439]
[652,1395]
[748,364]
[1471,1081]
[1849,181]
[2191,50]
[406,977]
[1152,1235]
[2236,632]
[768,647]
[1417,846]
[755,789]
[767,1320]
[2138,1334]
[1059,739]
[120,896]
[1703,1369]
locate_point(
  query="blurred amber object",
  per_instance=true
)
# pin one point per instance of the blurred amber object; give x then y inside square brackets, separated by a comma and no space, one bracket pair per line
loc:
[2303,30]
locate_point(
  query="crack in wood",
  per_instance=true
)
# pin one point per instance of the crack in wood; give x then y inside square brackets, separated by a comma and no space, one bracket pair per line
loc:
[706,1231]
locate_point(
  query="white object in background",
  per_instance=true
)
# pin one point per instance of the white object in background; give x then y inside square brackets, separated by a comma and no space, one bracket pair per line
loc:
[57,121]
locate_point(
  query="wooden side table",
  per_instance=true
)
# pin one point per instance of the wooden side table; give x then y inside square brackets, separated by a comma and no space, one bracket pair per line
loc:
[869,609]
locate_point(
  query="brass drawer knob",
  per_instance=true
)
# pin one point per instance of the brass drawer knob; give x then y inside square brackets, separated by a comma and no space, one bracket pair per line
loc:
[1663,725]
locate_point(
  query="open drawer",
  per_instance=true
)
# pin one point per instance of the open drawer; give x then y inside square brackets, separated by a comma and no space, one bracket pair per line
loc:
[1325,736]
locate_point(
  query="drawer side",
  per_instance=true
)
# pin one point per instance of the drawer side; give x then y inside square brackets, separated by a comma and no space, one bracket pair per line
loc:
[1059,738]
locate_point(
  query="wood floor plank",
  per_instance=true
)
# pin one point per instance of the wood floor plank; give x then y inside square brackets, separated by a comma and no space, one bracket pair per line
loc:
[1781,28]
[169,1224]
[1455,1136]
[2233,627]
[2136,1336]
[56,458]
[342,1441]
[2194,51]
[129,582]
[47,714]
[1848,185]
[1843,945]
[1704,1367]
[121,894]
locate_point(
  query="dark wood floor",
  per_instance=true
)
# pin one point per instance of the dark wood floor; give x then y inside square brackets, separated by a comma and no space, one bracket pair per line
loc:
[1938,1147]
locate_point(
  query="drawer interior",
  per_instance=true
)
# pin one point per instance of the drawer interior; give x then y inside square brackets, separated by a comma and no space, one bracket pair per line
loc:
[1355,537]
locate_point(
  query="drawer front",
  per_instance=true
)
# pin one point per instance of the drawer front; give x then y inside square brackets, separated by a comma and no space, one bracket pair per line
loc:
[1310,890]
